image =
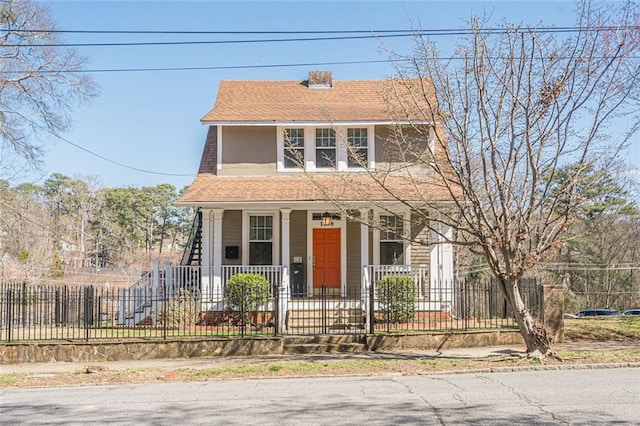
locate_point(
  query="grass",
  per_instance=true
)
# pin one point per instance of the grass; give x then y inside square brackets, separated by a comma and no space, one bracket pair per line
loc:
[609,329]
[619,329]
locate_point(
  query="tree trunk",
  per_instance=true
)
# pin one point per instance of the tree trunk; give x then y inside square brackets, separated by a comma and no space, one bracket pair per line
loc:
[532,329]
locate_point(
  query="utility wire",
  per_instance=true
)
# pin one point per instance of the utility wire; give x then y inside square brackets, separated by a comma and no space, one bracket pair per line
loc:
[213,67]
[110,160]
[371,34]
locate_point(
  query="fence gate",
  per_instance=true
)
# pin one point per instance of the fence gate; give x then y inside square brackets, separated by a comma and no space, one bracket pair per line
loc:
[326,312]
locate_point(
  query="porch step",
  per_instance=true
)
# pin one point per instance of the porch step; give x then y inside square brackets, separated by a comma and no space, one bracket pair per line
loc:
[323,344]
[302,321]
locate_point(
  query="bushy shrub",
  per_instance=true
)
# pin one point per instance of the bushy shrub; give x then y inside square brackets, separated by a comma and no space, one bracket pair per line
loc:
[397,297]
[246,293]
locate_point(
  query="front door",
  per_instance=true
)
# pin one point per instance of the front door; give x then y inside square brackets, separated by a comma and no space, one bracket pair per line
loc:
[326,258]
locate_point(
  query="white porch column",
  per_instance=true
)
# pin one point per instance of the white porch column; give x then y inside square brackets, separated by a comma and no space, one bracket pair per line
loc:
[364,251]
[285,217]
[217,254]
[441,268]
[205,262]
[364,263]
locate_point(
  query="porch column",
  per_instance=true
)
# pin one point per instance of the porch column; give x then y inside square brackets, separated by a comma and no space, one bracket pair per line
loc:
[364,263]
[205,262]
[441,268]
[217,254]
[286,265]
[364,251]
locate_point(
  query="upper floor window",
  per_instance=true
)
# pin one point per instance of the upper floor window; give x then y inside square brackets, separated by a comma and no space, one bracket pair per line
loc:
[357,142]
[316,148]
[325,148]
[293,148]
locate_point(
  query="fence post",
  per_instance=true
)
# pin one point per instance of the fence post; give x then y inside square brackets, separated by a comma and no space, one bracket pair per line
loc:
[371,308]
[88,310]
[552,308]
[9,314]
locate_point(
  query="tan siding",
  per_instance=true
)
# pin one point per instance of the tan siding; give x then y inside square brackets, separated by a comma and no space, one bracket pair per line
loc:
[232,235]
[353,257]
[419,252]
[298,234]
[413,145]
[248,151]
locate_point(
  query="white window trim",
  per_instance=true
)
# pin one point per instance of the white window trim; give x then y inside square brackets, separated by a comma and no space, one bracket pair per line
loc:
[219,148]
[406,232]
[275,248]
[341,149]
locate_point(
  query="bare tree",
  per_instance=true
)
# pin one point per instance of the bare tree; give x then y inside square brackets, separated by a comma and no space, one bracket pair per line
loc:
[500,117]
[40,81]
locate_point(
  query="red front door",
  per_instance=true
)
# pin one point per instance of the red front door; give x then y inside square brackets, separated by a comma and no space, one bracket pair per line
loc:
[326,258]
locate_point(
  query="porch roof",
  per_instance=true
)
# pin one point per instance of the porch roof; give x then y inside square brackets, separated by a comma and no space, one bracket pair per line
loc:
[209,188]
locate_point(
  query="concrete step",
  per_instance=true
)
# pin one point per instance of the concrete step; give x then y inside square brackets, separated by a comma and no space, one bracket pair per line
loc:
[324,339]
[323,348]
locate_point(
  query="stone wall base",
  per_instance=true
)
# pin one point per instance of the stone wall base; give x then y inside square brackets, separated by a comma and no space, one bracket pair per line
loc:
[18,353]
[446,340]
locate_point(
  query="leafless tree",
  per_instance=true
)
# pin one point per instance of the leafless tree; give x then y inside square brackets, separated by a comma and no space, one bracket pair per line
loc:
[501,116]
[40,80]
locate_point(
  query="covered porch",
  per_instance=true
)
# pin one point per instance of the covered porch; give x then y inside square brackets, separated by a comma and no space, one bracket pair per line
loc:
[309,249]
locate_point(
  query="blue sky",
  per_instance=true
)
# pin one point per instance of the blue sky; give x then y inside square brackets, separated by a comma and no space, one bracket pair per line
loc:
[150,120]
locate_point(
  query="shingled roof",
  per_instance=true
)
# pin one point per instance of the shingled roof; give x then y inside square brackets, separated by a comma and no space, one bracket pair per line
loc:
[209,188]
[291,101]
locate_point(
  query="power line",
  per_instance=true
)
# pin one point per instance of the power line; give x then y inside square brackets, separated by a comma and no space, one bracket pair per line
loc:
[371,34]
[204,68]
[210,32]
[110,160]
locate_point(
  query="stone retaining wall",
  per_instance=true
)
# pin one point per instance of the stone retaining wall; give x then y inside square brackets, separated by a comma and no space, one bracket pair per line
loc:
[17,353]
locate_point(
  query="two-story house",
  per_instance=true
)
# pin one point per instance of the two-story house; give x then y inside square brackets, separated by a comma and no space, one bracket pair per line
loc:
[289,185]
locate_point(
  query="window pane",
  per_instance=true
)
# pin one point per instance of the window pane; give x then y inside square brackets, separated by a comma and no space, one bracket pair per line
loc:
[325,138]
[357,157]
[294,158]
[391,253]
[260,228]
[294,138]
[326,157]
[391,228]
[260,253]
[357,137]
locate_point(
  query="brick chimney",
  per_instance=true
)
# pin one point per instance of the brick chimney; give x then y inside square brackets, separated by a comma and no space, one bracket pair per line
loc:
[319,79]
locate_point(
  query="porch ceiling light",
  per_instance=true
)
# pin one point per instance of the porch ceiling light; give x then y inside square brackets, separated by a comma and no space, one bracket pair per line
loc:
[325,219]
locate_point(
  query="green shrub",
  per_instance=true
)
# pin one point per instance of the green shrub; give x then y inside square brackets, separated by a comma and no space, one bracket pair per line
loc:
[397,297]
[246,293]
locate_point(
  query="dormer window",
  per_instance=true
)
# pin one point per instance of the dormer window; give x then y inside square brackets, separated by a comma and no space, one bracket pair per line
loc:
[325,148]
[293,148]
[357,143]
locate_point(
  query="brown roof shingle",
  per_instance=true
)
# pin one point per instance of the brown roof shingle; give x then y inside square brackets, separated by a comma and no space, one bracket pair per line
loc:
[289,101]
[208,188]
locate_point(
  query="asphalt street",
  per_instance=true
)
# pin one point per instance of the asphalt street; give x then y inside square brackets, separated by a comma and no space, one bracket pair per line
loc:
[598,396]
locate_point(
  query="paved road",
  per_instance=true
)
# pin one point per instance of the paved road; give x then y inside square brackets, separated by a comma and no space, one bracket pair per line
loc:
[603,396]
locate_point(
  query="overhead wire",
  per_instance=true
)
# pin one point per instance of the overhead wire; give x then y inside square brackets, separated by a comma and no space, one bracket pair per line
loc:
[62,138]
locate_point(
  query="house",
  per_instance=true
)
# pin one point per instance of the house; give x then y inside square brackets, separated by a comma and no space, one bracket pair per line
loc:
[289,187]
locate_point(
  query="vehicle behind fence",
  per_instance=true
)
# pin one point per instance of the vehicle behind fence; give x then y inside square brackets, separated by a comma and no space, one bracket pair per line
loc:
[87,313]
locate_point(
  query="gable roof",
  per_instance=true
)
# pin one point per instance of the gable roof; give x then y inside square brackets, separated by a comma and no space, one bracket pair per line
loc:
[271,102]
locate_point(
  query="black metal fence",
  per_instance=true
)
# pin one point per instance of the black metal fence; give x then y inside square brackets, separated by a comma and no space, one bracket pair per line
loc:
[84,313]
